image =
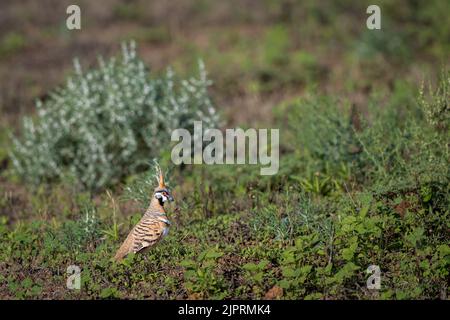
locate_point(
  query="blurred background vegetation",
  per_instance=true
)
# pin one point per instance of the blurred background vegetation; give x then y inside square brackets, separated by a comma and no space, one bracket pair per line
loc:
[364,151]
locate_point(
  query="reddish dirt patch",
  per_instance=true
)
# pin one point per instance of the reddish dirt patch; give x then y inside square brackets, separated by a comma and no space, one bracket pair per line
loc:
[274,293]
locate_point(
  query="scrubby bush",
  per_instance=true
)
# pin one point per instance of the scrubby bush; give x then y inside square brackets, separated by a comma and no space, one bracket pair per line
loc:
[320,132]
[399,144]
[405,150]
[435,104]
[108,122]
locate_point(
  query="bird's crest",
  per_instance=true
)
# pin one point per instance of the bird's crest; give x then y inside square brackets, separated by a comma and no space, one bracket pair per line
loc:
[159,176]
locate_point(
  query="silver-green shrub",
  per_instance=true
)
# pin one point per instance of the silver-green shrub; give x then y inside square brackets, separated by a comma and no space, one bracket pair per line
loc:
[107,122]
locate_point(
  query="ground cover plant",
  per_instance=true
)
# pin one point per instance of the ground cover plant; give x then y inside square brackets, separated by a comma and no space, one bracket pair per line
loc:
[364,152]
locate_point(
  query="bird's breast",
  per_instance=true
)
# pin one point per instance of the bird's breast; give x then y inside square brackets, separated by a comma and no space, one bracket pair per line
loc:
[165,232]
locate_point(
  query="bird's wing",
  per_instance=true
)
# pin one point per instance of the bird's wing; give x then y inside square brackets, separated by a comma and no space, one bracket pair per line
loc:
[146,233]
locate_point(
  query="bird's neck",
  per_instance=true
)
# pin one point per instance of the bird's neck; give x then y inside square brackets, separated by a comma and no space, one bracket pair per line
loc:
[156,207]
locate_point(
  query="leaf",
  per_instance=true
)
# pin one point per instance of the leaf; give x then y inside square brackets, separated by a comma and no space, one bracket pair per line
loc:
[188,263]
[190,274]
[299,243]
[213,254]
[109,293]
[415,236]
[27,283]
[444,250]
[289,272]
[305,270]
[364,211]
[348,253]
[250,266]
[347,271]
[36,290]
[258,277]
[262,264]
[285,284]
[288,256]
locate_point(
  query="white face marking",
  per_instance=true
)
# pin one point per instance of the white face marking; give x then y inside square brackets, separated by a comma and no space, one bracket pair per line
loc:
[160,195]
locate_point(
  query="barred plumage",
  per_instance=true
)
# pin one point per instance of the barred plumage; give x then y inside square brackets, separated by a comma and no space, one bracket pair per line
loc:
[152,227]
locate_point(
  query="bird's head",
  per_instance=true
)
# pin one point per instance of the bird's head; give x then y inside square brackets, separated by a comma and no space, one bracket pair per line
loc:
[162,193]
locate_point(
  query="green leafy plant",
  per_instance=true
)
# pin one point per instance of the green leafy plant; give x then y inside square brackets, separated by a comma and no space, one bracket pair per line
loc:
[256,271]
[200,275]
